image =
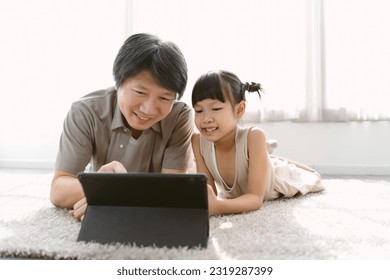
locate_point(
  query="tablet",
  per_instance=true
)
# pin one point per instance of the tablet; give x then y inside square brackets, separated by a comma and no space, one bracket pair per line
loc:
[145,209]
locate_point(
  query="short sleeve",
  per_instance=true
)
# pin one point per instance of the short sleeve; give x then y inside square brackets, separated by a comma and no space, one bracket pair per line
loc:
[76,142]
[178,152]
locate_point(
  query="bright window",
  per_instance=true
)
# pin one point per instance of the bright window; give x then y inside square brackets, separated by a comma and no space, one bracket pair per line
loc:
[317,60]
[357,59]
[259,40]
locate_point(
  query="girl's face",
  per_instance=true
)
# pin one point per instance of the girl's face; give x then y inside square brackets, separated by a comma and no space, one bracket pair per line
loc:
[215,119]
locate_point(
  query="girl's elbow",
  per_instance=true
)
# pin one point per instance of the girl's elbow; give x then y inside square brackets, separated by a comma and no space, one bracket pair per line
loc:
[258,204]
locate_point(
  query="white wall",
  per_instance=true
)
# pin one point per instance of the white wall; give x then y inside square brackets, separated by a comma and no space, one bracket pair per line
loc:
[335,148]
[332,148]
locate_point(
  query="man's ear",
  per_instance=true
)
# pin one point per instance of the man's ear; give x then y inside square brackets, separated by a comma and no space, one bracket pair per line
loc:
[240,109]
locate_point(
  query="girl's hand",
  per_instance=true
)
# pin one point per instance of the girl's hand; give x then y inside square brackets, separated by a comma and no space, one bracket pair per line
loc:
[212,200]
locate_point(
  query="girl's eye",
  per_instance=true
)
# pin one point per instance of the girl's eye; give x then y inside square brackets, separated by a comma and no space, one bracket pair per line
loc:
[198,111]
[216,109]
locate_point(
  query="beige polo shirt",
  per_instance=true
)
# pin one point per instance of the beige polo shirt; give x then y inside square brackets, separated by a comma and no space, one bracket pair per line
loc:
[94,132]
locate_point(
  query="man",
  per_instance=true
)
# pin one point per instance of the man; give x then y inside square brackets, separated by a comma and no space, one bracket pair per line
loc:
[137,126]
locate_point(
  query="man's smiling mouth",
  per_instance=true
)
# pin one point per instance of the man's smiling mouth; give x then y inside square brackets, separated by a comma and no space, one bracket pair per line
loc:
[141,117]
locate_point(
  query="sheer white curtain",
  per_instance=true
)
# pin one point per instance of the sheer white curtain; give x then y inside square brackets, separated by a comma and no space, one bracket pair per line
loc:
[357,44]
[317,60]
[259,40]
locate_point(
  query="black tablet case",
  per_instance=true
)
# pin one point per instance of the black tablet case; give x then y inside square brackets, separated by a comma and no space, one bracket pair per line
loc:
[145,209]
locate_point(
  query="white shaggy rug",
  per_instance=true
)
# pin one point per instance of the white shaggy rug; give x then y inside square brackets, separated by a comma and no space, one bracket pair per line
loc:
[350,220]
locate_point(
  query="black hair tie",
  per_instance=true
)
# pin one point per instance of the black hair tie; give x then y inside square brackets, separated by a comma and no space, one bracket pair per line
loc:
[252,87]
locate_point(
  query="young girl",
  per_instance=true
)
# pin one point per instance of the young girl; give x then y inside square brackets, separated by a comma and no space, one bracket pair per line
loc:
[236,159]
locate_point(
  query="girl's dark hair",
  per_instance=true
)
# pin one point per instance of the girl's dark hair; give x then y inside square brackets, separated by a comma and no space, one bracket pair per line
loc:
[148,52]
[222,85]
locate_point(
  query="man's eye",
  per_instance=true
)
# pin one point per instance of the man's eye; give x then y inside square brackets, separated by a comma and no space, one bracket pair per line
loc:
[166,99]
[198,111]
[217,109]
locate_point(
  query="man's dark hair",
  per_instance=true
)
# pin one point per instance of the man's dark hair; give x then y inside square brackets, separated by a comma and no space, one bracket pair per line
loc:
[148,52]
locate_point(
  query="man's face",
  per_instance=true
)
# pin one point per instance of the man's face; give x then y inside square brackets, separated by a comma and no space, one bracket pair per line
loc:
[143,102]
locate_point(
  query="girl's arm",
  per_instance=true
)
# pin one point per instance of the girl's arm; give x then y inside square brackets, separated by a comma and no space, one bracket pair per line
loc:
[258,171]
[200,165]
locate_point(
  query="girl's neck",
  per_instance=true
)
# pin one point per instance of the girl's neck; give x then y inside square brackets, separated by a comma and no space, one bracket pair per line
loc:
[227,142]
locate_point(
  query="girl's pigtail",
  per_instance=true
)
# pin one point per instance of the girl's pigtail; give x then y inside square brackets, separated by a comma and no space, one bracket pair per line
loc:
[252,87]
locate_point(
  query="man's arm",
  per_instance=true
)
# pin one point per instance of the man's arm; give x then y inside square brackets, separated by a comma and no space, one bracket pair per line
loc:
[65,190]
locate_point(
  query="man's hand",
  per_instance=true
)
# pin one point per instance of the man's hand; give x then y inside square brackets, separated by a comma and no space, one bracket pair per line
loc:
[79,209]
[81,206]
[114,166]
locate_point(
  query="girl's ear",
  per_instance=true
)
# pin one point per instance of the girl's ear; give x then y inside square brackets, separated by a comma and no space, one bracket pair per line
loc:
[240,109]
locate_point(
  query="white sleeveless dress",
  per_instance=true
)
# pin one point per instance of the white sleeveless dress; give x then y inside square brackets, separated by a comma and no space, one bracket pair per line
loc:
[283,178]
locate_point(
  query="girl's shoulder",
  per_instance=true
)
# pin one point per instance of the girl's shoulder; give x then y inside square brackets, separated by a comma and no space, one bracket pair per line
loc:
[253,130]
[195,138]
[256,134]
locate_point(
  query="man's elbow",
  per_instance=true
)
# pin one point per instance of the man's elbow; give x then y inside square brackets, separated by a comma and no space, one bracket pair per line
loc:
[65,190]
[55,198]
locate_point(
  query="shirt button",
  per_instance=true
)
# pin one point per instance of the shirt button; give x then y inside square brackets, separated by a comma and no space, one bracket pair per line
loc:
[125,130]
[121,146]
